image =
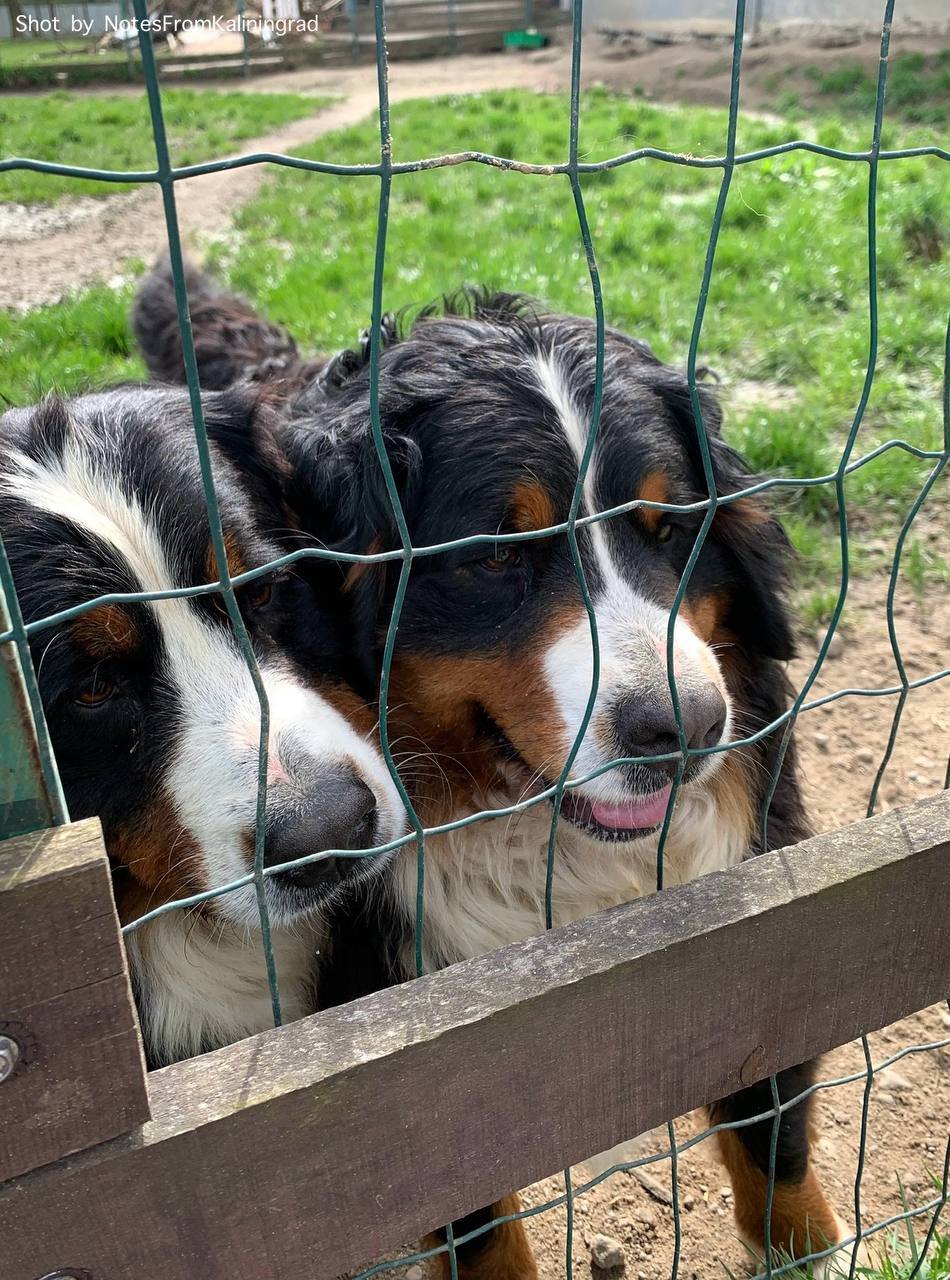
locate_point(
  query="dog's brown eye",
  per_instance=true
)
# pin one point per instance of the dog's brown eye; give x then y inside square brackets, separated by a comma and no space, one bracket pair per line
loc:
[665,532]
[96,693]
[504,558]
[259,595]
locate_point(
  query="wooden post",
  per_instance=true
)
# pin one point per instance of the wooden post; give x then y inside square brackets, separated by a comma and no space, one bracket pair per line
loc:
[65,1002]
[313,1149]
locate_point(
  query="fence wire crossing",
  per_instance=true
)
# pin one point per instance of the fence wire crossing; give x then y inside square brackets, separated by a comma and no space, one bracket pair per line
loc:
[19,633]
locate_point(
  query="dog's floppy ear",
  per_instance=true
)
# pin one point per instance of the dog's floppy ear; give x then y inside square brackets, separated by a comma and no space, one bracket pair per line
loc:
[245,428]
[747,531]
[325,434]
[374,528]
[338,492]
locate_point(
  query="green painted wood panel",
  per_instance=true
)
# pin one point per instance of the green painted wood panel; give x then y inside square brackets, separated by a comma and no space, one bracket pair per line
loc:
[25,800]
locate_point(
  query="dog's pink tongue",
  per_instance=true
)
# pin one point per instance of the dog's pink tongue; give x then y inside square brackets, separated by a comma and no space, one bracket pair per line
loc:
[635,814]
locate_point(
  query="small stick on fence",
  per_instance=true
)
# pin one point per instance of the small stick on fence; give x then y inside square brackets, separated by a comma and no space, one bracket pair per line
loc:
[652,1187]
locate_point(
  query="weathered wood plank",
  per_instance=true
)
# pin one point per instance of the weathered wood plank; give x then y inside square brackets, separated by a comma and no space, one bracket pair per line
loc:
[65,998]
[309,1150]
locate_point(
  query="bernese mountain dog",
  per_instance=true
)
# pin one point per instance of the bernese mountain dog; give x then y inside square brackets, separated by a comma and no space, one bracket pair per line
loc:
[486,406]
[152,711]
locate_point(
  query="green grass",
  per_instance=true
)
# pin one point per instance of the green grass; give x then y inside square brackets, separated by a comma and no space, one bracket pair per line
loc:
[894,1255]
[788,303]
[787,310]
[113,132]
[30,52]
[78,344]
[894,1260]
[918,87]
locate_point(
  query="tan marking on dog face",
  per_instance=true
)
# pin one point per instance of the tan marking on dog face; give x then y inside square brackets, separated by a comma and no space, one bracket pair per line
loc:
[531,507]
[706,614]
[237,561]
[357,572]
[654,487]
[106,632]
[438,700]
[160,854]
[349,704]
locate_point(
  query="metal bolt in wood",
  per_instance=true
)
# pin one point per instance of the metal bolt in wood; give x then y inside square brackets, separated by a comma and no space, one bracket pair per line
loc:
[9,1057]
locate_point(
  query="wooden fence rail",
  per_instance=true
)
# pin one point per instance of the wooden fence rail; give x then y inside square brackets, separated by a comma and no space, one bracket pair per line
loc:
[313,1148]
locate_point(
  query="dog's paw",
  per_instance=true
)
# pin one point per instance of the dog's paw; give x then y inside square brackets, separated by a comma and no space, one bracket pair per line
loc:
[837,1265]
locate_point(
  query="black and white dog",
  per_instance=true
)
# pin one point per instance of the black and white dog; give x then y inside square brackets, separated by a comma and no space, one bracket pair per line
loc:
[485,411]
[151,707]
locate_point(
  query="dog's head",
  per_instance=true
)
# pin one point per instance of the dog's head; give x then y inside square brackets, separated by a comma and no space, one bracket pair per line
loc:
[486,418]
[152,708]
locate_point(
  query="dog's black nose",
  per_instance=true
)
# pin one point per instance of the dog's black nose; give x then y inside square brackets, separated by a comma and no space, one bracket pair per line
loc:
[339,814]
[647,726]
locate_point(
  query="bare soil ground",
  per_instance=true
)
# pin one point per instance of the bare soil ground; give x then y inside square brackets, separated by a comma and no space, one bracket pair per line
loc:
[48,252]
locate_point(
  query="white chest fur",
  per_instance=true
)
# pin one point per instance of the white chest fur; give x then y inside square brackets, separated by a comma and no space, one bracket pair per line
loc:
[485,883]
[203,985]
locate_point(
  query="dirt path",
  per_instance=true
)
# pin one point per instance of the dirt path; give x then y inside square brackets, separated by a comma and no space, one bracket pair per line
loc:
[47,251]
[94,238]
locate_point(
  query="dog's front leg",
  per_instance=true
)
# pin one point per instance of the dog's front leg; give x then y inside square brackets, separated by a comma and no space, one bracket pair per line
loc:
[501,1253]
[803,1220]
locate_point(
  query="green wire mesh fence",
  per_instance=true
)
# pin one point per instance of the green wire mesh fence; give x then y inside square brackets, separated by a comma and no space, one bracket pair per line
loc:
[18,634]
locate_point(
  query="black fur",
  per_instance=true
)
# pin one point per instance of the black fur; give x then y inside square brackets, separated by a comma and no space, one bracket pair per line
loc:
[232,342]
[461,423]
[791,1157]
